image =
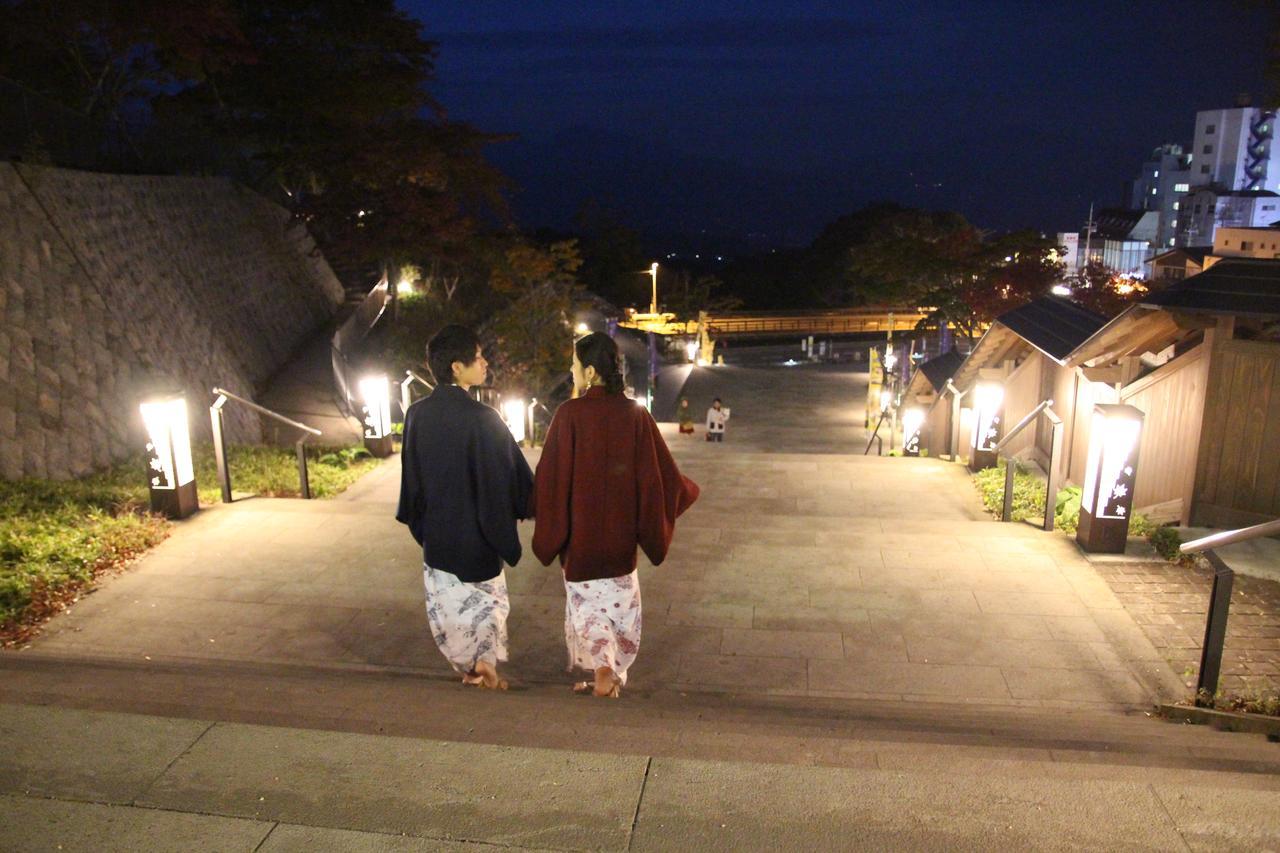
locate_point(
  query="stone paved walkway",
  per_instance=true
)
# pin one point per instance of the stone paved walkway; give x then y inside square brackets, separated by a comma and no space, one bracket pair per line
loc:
[801,574]
[1170,601]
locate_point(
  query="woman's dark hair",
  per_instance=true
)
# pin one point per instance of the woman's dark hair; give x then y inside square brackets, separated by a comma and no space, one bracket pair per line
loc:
[452,343]
[599,351]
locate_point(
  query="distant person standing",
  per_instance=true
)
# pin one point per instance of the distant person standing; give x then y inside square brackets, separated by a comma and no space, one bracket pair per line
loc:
[463,485]
[606,484]
[717,417]
[684,416]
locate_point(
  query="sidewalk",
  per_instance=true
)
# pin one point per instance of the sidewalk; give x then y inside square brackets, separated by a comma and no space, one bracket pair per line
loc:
[795,574]
[75,780]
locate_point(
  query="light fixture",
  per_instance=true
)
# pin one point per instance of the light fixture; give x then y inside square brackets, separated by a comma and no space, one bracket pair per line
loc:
[514,412]
[691,349]
[375,392]
[582,328]
[886,398]
[1112,468]
[988,412]
[1061,290]
[912,421]
[171,475]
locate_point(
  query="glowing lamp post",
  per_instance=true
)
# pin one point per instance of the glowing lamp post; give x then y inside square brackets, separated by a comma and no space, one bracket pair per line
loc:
[1107,496]
[375,392]
[912,421]
[172,477]
[988,412]
[514,412]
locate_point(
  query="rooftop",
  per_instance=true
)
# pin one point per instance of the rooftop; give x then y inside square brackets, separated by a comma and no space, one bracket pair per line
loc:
[1244,286]
[1053,325]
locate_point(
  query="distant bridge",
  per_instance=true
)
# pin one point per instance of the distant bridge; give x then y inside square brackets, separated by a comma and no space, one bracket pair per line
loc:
[848,321]
[760,324]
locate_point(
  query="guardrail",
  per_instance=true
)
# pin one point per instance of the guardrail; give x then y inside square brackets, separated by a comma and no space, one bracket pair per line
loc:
[220,442]
[1215,624]
[1055,462]
[406,395]
[349,336]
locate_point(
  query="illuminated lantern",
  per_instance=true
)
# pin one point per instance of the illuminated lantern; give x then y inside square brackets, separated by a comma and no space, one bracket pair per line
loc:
[514,413]
[691,349]
[988,412]
[912,421]
[1107,497]
[375,392]
[886,398]
[171,476]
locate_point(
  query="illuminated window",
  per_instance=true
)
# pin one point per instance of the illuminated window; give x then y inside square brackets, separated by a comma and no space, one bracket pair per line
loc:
[1181,188]
[1177,205]
[1154,190]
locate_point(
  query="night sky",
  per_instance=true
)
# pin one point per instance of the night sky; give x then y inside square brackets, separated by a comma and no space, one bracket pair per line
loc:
[765,120]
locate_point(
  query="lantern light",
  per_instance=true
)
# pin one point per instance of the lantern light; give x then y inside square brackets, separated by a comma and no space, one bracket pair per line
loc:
[172,478]
[1107,497]
[514,413]
[375,391]
[988,412]
[912,421]
[691,349]
[582,328]
[886,398]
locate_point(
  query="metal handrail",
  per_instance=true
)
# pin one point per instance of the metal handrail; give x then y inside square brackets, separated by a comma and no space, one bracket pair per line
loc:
[263,410]
[875,436]
[409,378]
[220,441]
[1215,624]
[1022,424]
[1230,537]
[1055,462]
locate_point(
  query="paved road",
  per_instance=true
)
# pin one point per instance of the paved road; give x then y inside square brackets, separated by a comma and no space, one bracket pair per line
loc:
[888,658]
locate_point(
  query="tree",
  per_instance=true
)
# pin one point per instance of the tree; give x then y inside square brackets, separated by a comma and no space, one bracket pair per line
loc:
[533,335]
[320,104]
[612,257]
[1106,292]
[938,260]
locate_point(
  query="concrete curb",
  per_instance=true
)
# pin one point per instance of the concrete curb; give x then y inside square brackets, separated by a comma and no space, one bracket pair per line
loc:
[1226,721]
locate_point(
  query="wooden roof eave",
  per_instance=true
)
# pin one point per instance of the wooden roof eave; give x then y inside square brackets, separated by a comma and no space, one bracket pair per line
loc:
[1131,332]
[995,346]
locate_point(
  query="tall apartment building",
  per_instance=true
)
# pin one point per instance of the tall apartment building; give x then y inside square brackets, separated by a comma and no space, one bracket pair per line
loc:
[1232,150]
[1165,177]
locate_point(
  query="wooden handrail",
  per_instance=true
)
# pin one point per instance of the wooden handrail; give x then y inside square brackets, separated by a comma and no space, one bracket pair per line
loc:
[1022,424]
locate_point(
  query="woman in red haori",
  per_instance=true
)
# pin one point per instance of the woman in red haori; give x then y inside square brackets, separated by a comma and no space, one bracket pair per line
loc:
[606,483]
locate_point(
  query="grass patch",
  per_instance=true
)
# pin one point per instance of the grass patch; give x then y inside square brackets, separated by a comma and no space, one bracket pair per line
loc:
[1028,500]
[56,536]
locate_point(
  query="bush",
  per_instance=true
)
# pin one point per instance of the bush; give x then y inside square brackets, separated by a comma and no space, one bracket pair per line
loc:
[1028,500]
[1166,541]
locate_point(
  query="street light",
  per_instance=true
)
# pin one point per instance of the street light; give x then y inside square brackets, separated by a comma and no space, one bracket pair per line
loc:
[653,303]
[1107,496]
[375,391]
[514,412]
[912,421]
[988,411]
[171,475]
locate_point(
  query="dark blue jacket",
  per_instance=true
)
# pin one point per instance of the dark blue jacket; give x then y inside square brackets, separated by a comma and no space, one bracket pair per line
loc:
[463,485]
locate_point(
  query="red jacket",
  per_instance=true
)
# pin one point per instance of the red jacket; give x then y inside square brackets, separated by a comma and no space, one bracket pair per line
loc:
[606,483]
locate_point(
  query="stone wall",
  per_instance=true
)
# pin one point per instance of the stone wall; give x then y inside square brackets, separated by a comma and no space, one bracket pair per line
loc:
[112,287]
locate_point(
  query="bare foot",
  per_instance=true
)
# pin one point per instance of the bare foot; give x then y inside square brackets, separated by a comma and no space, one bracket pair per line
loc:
[473,679]
[489,678]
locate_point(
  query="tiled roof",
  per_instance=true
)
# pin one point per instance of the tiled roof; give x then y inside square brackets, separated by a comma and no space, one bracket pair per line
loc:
[1053,325]
[1248,286]
[939,370]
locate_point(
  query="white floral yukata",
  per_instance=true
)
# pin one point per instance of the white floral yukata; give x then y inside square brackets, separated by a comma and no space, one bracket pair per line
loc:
[468,620]
[602,623]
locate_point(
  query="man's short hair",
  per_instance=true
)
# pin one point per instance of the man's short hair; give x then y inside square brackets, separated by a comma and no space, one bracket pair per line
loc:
[450,344]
